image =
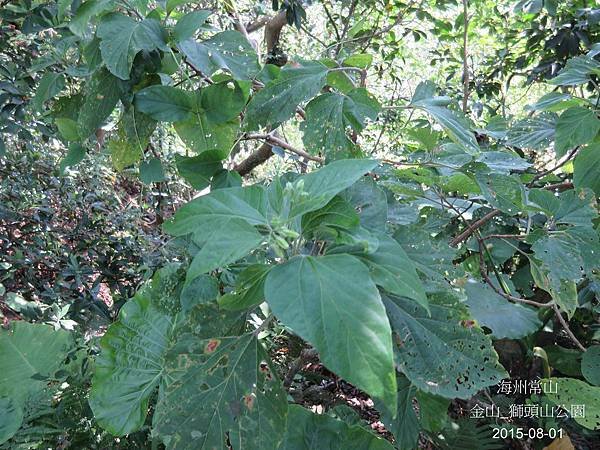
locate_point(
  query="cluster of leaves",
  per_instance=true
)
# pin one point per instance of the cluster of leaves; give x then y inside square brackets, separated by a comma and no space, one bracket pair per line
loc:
[408,276]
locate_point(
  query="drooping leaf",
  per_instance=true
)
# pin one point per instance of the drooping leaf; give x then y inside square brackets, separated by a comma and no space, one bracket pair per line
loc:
[245,203]
[187,26]
[587,167]
[322,185]
[227,50]
[332,303]
[231,240]
[165,103]
[278,100]
[11,418]
[570,391]
[203,136]
[405,426]
[222,102]
[505,319]
[132,138]
[85,13]
[101,97]
[151,171]
[330,116]
[198,170]
[392,269]
[249,289]
[575,126]
[563,292]
[371,202]
[310,431]
[49,86]
[122,37]
[504,192]
[224,390]
[433,411]
[73,157]
[437,353]
[536,133]
[131,362]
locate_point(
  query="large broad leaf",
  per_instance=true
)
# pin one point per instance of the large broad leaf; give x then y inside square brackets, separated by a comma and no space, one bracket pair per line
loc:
[371,202]
[438,353]
[308,431]
[454,123]
[131,363]
[332,302]
[249,289]
[338,214]
[123,37]
[536,133]
[187,26]
[200,135]
[29,353]
[165,103]
[393,270]
[101,97]
[228,50]
[324,184]
[225,391]
[231,240]
[245,203]
[576,126]
[505,319]
[84,14]
[330,116]
[587,168]
[563,292]
[567,392]
[578,70]
[278,100]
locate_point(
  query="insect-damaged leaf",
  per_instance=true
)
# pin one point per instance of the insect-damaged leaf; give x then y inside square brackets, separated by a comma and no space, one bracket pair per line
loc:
[224,389]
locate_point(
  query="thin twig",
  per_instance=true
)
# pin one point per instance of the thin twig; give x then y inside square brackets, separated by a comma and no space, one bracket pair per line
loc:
[565,326]
[263,326]
[474,226]
[270,139]
[557,166]
[306,355]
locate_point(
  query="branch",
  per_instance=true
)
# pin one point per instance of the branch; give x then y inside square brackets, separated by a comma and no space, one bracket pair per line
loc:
[473,227]
[557,166]
[256,158]
[258,24]
[306,355]
[565,325]
[274,140]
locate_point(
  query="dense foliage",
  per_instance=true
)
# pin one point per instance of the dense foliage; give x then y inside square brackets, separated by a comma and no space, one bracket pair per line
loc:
[354,232]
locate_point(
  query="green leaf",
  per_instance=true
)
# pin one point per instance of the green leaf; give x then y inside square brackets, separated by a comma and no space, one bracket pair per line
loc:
[201,135]
[30,353]
[504,192]
[536,133]
[188,25]
[198,170]
[233,239]
[574,207]
[554,102]
[165,103]
[67,128]
[11,418]
[227,50]
[132,138]
[222,102]
[337,214]
[433,411]
[201,290]
[570,391]
[85,13]
[360,60]
[371,202]
[587,167]
[249,289]
[245,203]
[578,70]
[278,100]
[322,185]
[151,171]
[454,123]
[563,292]
[49,86]
[122,38]
[405,426]
[332,303]
[590,364]
[575,126]
[73,157]
[307,430]
[224,390]
[392,269]
[101,97]
[437,353]
[330,115]
[505,319]
[131,364]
